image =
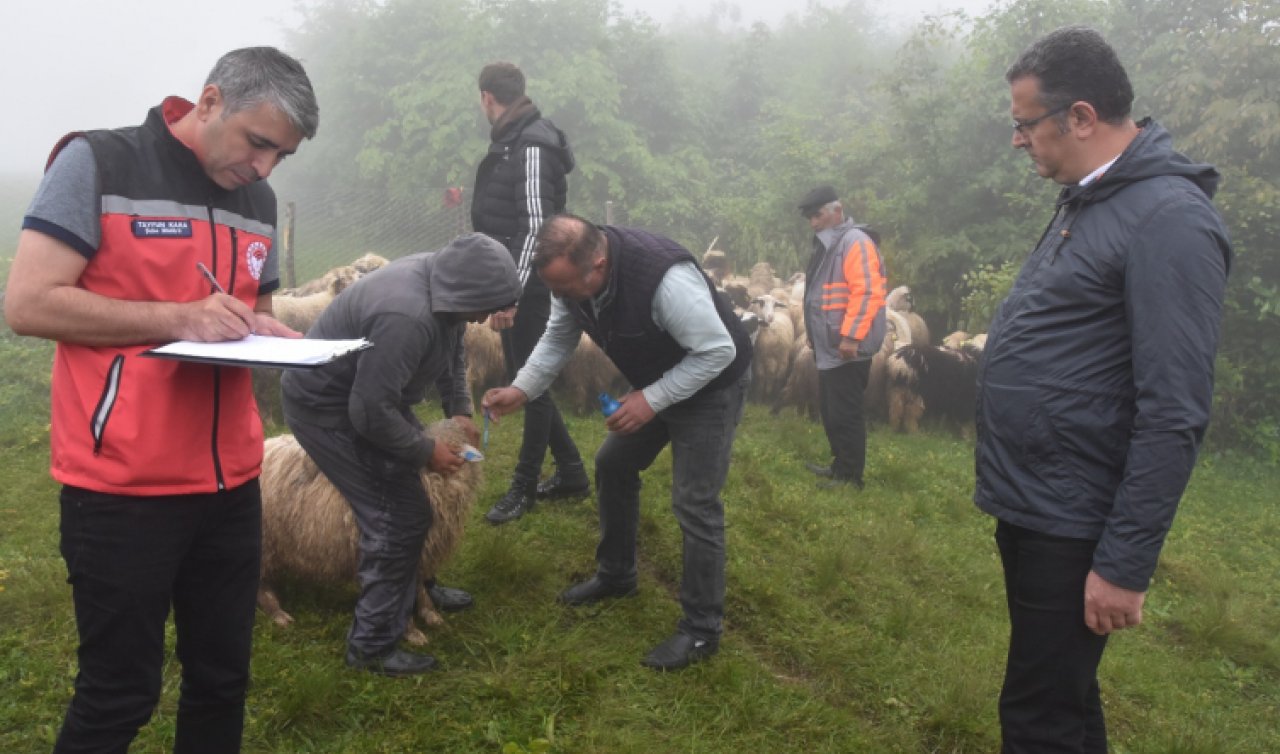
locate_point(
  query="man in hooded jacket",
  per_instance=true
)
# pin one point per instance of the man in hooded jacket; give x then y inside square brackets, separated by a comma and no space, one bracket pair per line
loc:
[355,418]
[1096,381]
[520,183]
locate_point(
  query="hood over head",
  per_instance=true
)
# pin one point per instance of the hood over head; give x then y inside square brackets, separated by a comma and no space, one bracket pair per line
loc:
[473,273]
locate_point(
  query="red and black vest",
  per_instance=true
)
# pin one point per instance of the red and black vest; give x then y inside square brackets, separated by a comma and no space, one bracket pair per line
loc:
[127,424]
[625,330]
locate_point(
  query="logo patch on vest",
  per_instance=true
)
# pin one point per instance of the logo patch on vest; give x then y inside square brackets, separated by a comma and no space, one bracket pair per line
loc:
[256,256]
[143,228]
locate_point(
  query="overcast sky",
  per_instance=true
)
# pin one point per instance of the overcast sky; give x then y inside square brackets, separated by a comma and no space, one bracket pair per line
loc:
[76,64]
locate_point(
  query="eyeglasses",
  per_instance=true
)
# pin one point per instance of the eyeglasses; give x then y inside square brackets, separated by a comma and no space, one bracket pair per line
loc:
[1023,126]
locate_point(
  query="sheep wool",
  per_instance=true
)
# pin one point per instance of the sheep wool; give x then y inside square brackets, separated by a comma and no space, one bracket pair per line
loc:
[309,533]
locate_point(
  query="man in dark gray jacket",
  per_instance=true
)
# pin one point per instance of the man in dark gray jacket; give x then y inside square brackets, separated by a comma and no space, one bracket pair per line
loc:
[355,418]
[1096,381]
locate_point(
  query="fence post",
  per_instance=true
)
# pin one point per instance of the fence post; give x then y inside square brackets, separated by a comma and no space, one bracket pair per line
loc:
[608,212]
[286,239]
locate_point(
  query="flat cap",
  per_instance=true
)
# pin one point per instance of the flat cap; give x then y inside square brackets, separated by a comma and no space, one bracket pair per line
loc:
[819,197]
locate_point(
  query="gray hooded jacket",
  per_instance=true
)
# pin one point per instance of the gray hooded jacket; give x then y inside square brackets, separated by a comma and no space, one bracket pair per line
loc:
[403,309]
[1097,376]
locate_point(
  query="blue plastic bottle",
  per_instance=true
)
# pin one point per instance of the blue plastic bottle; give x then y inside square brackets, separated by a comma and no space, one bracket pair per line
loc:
[608,405]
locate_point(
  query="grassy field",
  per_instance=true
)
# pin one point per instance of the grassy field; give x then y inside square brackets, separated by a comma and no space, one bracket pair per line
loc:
[857,622]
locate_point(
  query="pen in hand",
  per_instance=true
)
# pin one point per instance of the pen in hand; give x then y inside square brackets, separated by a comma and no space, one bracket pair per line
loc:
[209,276]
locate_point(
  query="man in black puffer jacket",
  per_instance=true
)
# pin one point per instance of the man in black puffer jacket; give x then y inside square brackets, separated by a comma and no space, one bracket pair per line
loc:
[520,182]
[1096,381]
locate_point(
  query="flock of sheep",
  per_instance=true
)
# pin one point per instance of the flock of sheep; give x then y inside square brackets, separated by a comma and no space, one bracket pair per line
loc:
[909,378]
[308,529]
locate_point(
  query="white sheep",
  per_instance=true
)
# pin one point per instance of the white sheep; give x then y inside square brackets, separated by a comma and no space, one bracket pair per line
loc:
[773,348]
[308,530]
[301,311]
[900,300]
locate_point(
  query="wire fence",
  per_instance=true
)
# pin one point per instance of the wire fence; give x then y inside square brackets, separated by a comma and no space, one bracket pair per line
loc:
[322,228]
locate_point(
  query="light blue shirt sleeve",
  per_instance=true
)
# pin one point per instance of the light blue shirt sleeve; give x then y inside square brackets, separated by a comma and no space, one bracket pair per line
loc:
[683,308]
[551,353]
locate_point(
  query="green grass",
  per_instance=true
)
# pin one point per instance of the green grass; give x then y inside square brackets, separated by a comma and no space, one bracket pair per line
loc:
[869,622]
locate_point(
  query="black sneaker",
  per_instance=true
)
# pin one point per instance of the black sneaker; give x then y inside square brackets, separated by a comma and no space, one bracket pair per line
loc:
[447,599]
[838,481]
[680,651]
[395,664]
[595,589]
[565,486]
[822,471]
[513,505]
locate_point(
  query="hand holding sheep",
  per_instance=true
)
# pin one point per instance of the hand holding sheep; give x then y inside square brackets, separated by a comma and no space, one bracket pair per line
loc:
[445,459]
[468,427]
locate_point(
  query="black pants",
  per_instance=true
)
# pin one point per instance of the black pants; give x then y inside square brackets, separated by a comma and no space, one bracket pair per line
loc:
[840,401]
[1050,700]
[393,514]
[543,425]
[129,559]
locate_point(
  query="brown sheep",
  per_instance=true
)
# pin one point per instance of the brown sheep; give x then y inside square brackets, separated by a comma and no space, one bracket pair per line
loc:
[369,262]
[485,365]
[897,333]
[801,385]
[308,531]
[588,373]
[762,280]
[800,388]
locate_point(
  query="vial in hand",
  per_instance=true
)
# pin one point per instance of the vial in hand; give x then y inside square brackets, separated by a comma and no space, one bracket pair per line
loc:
[608,405]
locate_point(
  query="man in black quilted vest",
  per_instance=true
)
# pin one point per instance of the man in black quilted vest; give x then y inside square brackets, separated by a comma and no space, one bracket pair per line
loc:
[648,305]
[520,182]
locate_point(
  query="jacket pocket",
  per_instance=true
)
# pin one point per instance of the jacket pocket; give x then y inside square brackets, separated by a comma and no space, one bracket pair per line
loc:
[106,402]
[1018,424]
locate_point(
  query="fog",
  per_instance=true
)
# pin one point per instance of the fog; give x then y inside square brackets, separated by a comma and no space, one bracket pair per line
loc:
[77,65]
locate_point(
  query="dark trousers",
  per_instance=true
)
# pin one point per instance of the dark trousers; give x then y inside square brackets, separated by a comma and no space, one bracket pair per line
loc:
[1050,700]
[700,431]
[543,425]
[129,560]
[840,402]
[393,514]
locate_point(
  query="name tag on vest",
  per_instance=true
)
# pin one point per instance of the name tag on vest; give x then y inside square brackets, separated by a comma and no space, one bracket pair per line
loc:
[161,228]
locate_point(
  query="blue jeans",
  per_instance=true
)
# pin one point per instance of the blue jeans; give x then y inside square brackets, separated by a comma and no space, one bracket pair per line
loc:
[700,431]
[129,559]
[1050,700]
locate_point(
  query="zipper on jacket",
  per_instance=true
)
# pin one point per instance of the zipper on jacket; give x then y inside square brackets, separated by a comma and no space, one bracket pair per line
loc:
[213,440]
[110,391]
[235,251]
[217,371]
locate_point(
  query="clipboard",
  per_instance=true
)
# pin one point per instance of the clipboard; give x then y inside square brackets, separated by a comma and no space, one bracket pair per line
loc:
[261,351]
